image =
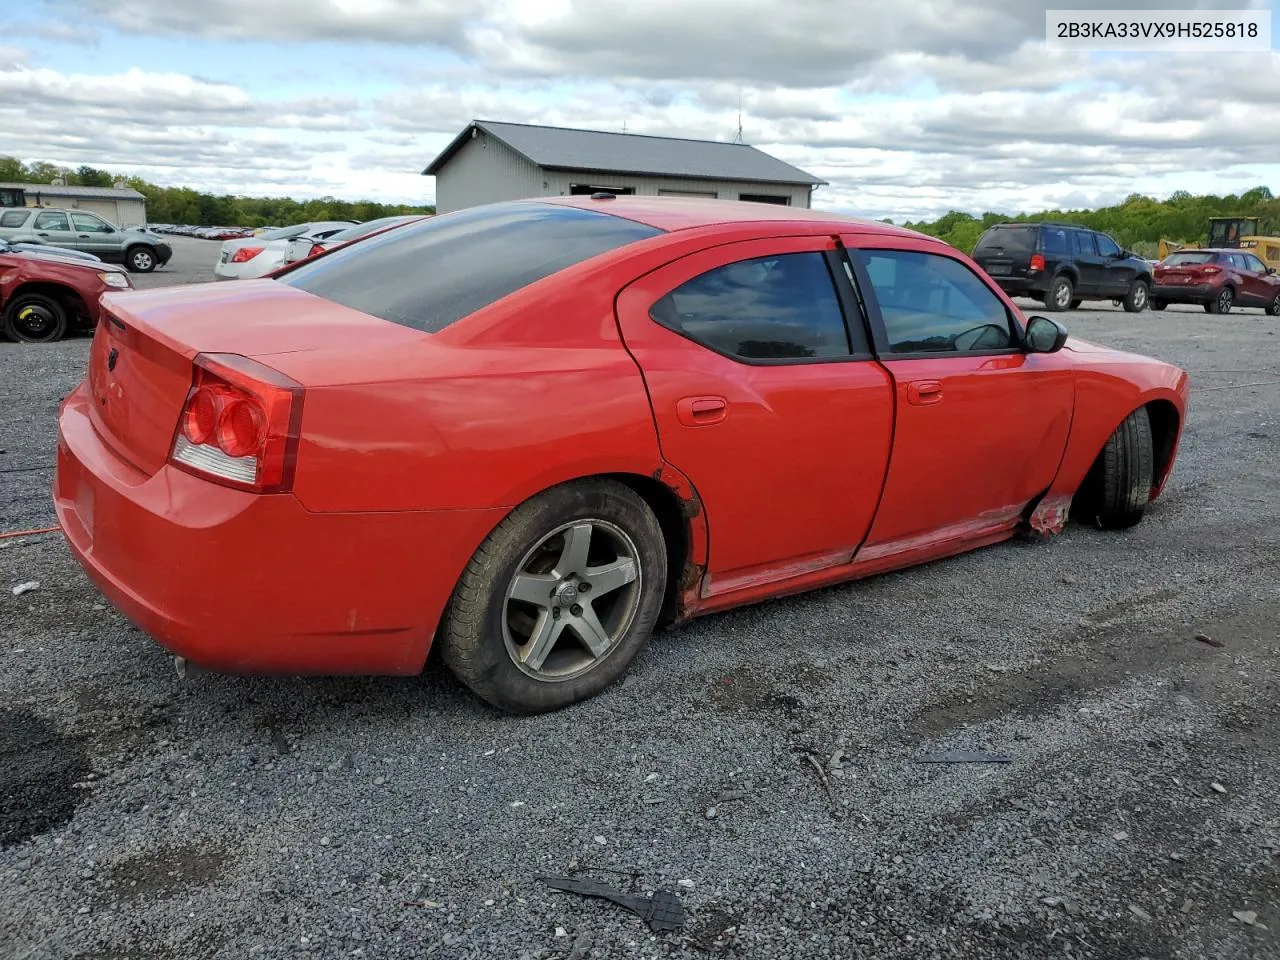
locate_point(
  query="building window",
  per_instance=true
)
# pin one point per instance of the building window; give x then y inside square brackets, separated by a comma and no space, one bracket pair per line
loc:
[586,189]
[709,194]
[765,198]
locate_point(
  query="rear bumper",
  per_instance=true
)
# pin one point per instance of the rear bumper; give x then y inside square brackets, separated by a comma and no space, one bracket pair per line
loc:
[257,584]
[1022,286]
[1184,292]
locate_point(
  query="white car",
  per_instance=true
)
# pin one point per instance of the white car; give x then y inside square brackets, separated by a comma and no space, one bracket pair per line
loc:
[300,248]
[253,257]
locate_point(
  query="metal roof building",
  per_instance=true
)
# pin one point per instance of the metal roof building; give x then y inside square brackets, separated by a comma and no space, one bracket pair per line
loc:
[488,162]
[122,206]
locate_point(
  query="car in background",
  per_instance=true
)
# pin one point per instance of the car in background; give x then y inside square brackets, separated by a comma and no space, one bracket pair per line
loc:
[1061,265]
[43,296]
[302,248]
[139,249]
[48,250]
[248,258]
[527,433]
[1217,279]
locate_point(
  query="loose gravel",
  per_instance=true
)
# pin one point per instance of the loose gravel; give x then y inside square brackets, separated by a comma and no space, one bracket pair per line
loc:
[764,764]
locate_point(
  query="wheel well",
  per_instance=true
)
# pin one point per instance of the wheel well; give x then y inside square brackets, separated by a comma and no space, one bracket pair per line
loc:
[1164,431]
[71,301]
[670,511]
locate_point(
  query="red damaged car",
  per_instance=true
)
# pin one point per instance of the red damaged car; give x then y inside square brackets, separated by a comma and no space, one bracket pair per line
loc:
[531,432]
[43,296]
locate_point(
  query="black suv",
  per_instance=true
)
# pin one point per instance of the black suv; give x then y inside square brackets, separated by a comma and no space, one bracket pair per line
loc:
[1061,264]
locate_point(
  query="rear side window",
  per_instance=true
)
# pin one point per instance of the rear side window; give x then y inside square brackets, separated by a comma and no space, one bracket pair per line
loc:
[1082,244]
[1010,239]
[429,275]
[768,308]
[1057,241]
[14,218]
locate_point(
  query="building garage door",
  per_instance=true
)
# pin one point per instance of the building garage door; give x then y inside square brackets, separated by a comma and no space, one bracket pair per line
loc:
[106,209]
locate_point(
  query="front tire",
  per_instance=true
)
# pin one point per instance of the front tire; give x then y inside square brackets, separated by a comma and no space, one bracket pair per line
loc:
[1115,494]
[1273,308]
[140,259]
[1136,300]
[1061,293]
[559,599]
[35,318]
[1222,302]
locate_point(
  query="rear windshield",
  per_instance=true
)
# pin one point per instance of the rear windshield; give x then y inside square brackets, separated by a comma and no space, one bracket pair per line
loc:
[1182,259]
[428,275]
[1012,239]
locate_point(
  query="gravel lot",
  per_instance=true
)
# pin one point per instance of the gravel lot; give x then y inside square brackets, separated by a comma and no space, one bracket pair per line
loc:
[220,817]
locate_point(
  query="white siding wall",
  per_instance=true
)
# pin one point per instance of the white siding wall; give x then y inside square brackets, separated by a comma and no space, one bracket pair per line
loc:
[558,185]
[486,170]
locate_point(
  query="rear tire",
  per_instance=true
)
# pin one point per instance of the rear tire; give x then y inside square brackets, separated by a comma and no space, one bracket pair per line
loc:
[1137,298]
[490,634]
[1222,302]
[35,318]
[1061,293]
[1115,494]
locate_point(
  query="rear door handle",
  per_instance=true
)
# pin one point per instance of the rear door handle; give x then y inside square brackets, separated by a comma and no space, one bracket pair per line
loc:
[921,392]
[701,411]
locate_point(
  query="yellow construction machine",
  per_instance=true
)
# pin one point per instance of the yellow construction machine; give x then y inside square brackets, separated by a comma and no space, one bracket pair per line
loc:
[1234,233]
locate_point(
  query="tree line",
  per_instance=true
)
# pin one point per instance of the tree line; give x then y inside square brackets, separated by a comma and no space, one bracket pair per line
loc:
[1138,224]
[187,206]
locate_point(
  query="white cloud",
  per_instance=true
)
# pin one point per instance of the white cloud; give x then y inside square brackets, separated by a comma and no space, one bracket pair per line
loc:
[908,109]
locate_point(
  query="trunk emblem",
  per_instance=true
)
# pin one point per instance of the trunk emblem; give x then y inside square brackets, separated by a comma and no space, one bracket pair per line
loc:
[112,357]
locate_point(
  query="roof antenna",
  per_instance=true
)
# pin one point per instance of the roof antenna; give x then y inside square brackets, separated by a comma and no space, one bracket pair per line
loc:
[624,126]
[738,137]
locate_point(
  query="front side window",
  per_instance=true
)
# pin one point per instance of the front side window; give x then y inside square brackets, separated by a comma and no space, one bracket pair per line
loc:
[769,308]
[1254,264]
[934,304]
[88,223]
[52,221]
[431,274]
[1106,246]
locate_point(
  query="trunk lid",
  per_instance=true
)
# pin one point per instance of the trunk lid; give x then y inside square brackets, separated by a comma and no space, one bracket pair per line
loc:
[140,363]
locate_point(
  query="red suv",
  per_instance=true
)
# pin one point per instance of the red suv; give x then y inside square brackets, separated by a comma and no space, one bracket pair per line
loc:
[42,296]
[1216,278]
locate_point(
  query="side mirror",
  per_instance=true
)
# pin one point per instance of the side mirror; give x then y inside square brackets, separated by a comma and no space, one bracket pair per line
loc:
[1044,335]
[1269,271]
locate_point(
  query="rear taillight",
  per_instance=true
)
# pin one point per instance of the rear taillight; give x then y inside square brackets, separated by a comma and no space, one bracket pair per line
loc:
[240,425]
[316,250]
[245,253]
[1037,261]
[1209,271]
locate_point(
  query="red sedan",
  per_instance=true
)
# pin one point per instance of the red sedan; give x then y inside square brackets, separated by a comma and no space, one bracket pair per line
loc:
[533,431]
[45,294]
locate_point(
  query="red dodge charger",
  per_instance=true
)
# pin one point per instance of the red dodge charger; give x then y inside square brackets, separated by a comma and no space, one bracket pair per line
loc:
[532,432]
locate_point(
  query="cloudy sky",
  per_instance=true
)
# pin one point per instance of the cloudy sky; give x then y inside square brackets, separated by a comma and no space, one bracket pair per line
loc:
[908,109]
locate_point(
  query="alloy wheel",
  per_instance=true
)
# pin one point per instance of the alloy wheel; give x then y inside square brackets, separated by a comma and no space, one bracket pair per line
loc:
[1224,300]
[572,599]
[1062,295]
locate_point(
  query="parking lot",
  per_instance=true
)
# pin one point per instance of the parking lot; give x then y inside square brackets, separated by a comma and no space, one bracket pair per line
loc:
[765,764]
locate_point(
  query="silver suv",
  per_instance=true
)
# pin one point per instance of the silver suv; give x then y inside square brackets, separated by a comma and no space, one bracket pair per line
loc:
[139,250]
